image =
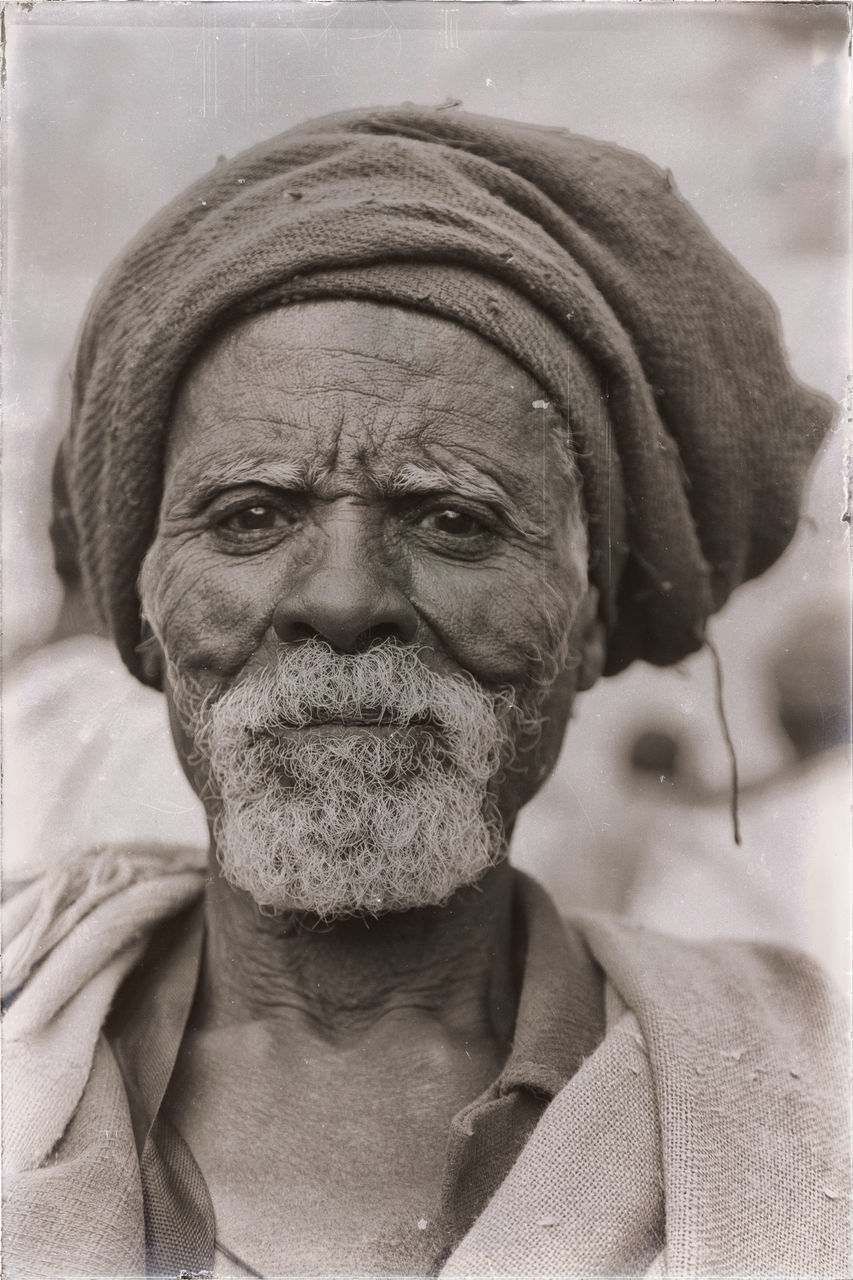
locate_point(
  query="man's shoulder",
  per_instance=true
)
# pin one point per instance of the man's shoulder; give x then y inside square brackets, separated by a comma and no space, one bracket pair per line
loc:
[756,1010]
[71,937]
[63,927]
[653,960]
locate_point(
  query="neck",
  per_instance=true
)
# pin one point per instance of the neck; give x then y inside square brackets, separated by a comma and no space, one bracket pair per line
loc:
[455,962]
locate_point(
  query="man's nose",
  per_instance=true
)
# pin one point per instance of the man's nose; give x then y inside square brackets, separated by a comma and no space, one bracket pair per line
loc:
[346,595]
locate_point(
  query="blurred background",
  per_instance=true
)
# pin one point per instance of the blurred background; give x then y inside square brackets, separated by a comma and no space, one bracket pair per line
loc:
[112,108]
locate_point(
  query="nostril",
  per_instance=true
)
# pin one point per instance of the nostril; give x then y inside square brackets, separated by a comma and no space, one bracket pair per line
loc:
[375,635]
[347,640]
[292,629]
[340,640]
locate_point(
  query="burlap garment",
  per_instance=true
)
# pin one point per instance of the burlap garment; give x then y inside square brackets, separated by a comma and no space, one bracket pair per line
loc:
[720,1086]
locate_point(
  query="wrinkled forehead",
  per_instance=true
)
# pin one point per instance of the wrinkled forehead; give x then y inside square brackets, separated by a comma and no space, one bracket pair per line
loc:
[362,389]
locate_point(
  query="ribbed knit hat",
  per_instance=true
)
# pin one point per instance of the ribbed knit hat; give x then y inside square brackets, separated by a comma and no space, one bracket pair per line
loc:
[576,258]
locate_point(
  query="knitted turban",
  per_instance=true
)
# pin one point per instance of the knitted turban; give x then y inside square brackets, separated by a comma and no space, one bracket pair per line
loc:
[576,258]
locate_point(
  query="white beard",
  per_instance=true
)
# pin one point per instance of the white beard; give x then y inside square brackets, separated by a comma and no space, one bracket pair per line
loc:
[360,822]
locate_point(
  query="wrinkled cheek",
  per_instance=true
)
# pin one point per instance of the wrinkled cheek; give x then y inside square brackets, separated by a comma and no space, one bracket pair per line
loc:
[506,638]
[205,622]
[544,688]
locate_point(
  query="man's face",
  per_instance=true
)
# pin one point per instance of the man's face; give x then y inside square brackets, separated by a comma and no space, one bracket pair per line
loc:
[369,580]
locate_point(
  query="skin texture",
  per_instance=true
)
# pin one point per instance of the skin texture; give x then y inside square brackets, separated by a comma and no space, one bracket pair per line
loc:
[355,471]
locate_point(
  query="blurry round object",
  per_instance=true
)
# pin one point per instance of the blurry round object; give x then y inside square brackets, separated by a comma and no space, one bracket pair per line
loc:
[811,678]
[656,752]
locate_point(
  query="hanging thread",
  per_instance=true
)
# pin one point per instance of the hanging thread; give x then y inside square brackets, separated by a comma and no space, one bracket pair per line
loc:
[727,738]
[235,1258]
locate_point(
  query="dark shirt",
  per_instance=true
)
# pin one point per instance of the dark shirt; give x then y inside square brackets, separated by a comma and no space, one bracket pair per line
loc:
[560,1021]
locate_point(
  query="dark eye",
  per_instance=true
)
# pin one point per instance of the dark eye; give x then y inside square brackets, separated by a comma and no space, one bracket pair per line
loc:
[254,524]
[260,516]
[459,524]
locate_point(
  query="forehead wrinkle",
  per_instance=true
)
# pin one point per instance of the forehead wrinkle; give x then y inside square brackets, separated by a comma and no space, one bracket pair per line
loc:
[395,379]
[386,378]
[306,357]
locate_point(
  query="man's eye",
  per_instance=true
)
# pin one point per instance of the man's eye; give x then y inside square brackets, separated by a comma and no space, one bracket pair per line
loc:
[460,524]
[261,517]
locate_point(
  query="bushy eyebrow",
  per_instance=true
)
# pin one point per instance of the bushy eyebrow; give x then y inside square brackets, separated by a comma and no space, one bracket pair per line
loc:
[412,478]
[216,477]
[463,480]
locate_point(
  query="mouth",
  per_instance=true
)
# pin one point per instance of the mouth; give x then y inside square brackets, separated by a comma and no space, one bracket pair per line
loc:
[341,728]
[337,727]
[364,717]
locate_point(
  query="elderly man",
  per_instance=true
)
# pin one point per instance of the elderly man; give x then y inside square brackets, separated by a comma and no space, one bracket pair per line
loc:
[390,436]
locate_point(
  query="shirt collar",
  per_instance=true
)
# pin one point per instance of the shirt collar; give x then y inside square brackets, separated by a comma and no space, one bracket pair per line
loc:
[560,1019]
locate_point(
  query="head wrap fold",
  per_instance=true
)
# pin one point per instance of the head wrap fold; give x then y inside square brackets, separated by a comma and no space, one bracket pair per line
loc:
[576,258]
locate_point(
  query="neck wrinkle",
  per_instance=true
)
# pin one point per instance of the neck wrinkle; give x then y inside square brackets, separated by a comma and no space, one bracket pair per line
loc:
[454,963]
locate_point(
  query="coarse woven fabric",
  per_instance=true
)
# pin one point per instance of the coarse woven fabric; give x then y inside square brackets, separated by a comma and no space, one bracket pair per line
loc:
[576,258]
[721,1088]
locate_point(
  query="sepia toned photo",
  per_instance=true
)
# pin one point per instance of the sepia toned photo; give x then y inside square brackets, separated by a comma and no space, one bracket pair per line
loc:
[426,640]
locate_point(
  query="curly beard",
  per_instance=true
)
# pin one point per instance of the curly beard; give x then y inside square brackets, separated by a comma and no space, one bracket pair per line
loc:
[387,808]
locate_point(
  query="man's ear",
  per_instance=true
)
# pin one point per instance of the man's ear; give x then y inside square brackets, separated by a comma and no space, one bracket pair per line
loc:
[592,645]
[151,658]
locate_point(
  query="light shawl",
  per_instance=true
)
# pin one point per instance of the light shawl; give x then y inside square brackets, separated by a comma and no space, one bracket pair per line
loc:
[576,258]
[720,1089]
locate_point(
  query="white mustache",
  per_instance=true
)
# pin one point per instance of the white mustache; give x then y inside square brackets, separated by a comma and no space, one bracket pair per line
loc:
[388,684]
